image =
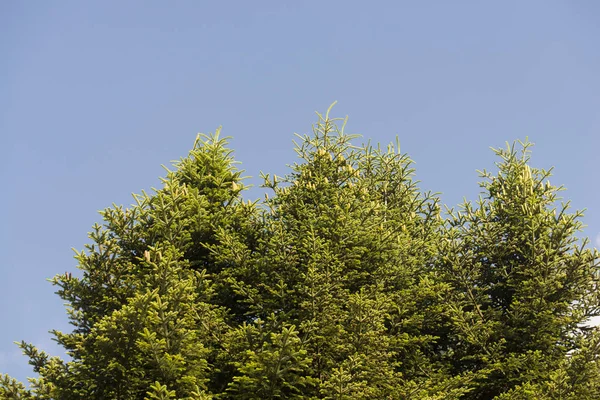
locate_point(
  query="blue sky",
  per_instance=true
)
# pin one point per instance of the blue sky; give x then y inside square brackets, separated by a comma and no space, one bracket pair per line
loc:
[95,96]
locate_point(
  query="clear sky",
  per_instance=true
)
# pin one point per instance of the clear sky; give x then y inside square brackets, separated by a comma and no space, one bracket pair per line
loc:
[95,96]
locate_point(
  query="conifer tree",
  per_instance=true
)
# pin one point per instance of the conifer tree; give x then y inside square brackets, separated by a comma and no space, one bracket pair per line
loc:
[346,260]
[345,283]
[523,288]
[144,318]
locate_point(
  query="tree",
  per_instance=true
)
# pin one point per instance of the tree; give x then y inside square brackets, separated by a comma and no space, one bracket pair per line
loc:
[523,286]
[346,283]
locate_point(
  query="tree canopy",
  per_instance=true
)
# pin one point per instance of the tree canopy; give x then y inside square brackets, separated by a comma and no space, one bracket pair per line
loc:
[346,282]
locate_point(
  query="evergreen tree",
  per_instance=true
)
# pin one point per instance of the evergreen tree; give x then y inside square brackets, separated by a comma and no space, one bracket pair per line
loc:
[346,260]
[523,287]
[345,283]
[145,318]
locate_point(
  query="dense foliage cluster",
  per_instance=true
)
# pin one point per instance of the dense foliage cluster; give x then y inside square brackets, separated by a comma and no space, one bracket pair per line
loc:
[347,282]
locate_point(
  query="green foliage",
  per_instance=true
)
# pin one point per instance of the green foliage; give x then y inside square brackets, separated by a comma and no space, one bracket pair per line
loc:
[12,389]
[346,283]
[269,364]
[523,283]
